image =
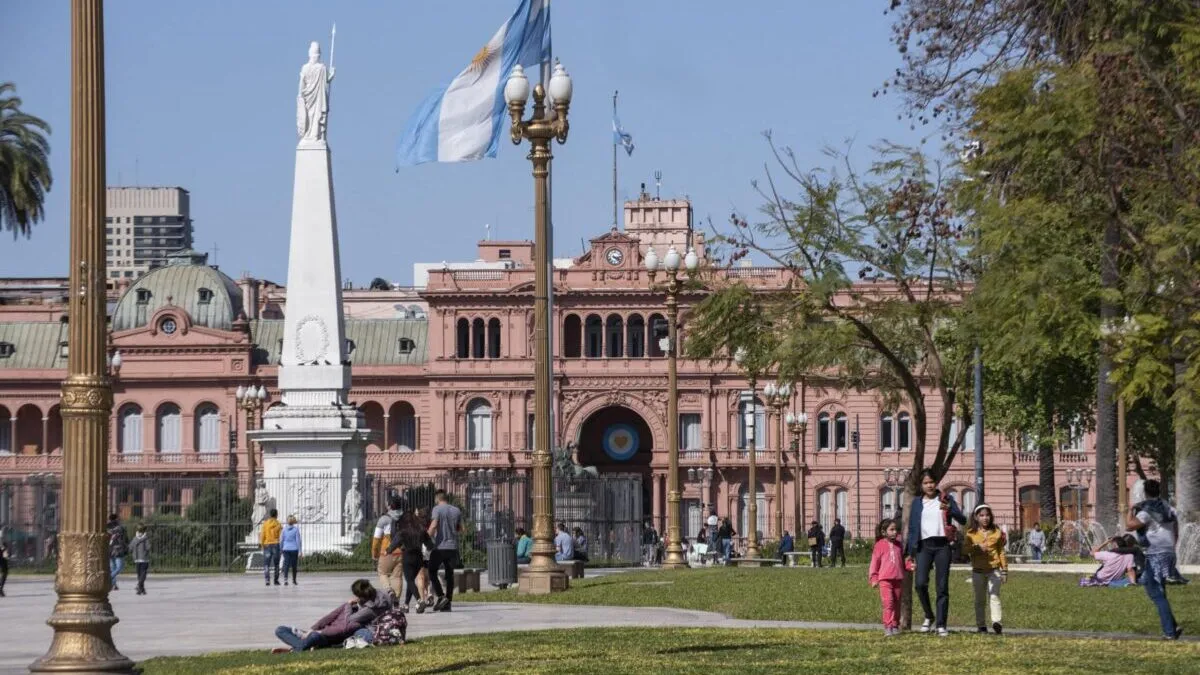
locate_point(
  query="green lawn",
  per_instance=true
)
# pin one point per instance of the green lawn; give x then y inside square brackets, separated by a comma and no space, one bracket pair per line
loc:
[1031,600]
[658,650]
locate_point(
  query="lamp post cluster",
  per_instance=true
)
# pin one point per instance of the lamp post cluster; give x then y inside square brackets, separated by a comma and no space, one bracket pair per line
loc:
[895,479]
[779,396]
[544,574]
[704,477]
[670,264]
[797,423]
[250,400]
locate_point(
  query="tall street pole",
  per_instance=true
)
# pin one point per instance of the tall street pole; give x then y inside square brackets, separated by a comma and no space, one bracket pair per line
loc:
[751,446]
[544,575]
[1122,463]
[83,618]
[979,499]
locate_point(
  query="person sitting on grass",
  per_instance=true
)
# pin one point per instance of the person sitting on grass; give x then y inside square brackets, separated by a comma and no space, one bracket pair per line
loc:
[1116,565]
[332,629]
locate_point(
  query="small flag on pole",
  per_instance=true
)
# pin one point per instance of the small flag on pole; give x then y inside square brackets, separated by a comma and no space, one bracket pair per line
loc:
[622,137]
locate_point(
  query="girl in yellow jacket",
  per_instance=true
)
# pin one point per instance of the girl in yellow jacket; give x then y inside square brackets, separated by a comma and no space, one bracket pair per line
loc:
[985,543]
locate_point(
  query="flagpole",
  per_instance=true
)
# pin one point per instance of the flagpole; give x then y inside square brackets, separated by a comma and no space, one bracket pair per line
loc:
[616,222]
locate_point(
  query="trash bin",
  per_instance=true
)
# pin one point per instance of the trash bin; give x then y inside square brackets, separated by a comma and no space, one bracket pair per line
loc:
[501,563]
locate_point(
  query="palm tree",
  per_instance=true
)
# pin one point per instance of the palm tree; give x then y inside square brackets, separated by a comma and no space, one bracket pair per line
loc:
[24,164]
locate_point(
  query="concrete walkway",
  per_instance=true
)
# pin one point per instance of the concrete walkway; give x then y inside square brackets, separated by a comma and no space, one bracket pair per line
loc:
[208,613]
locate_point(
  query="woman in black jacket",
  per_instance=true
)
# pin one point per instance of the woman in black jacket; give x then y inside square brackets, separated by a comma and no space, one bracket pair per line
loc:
[412,535]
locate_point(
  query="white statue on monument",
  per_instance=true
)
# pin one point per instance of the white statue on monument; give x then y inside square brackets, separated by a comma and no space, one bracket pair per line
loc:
[263,503]
[353,506]
[312,102]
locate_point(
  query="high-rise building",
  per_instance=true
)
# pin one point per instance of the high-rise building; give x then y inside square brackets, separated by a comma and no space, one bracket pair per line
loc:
[144,225]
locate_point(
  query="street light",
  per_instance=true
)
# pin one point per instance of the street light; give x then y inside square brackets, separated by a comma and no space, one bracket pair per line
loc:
[82,618]
[543,575]
[798,425]
[742,357]
[250,399]
[895,479]
[670,264]
[778,397]
[704,477]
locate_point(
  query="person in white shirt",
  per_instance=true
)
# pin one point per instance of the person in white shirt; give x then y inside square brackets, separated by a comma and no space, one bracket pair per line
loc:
[931,530]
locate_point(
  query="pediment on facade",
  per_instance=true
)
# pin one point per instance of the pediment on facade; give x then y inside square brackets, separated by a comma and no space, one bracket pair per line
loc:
[612,250]
[172,328]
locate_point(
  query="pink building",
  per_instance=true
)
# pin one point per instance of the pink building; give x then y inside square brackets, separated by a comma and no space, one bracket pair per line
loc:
[445,373]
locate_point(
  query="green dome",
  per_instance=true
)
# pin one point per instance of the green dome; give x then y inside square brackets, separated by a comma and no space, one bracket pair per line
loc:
[208,295]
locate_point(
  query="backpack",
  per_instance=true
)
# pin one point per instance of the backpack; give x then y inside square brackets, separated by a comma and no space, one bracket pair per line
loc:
[118,545]
[390,628]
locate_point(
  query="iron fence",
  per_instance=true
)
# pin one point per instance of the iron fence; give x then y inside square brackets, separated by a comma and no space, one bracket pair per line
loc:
[208,524]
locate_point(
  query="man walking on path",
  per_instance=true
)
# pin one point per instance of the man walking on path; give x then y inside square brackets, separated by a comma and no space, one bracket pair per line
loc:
[141,556]
[269,539]
[387,528]
[1157,527]
[118,548]
[1037,542]
[837,537]
[816,543]
[444,527]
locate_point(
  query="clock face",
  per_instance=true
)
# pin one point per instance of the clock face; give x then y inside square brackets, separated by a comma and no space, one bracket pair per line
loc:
[168,326]
[614,256]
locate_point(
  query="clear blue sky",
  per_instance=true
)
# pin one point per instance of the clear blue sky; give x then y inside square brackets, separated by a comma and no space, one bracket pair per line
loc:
[202,95]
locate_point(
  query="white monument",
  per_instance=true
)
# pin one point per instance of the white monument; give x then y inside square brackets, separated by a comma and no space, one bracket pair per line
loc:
[313,443]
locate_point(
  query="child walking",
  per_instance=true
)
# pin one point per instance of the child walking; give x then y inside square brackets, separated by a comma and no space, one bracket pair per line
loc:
[289,542]
[984,543]
[887,572]
[140,548]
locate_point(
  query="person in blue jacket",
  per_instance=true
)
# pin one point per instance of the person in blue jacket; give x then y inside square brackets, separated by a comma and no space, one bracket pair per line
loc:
[931,530]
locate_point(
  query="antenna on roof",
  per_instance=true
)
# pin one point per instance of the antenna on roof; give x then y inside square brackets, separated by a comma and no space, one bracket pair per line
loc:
[657,185]
[487,232]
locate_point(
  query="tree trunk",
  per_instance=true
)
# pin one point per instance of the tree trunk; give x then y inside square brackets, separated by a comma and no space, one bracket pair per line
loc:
[1106,400]
[1046,487]
[1187,460]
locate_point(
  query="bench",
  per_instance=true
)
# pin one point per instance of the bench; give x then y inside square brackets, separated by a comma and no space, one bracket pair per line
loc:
[755,562]
[574,568]
[794,556]
[466,580]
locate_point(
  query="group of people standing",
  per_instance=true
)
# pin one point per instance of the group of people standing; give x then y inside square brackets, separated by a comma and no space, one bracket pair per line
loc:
[410,550]
[121,547]
[280,542]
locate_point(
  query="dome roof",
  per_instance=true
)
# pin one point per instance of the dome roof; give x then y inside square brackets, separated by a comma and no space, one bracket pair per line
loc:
[209,296]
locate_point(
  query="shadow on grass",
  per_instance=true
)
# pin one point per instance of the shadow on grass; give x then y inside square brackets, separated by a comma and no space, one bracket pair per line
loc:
[720,648]
[454,667]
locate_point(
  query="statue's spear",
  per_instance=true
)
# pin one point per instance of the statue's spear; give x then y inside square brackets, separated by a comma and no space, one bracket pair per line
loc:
[332,44]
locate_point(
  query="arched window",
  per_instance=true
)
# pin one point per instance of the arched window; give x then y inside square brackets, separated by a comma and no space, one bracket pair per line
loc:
[477,347]
[966,500]
[403,419]
[462,346]
[169,433]
[635,342]
[572,336]
[841,428]
[1030,498]
[887,437]
[824,432]
[493,336]
[479,426]
[752,426]
[5,433]
[761,517]
[129,429]
[904,431]
[832,503]
[658,331]
[614,336]
[208,428]
[593,330]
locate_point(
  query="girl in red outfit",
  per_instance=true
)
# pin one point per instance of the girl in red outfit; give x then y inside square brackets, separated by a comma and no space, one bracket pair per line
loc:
[887,572]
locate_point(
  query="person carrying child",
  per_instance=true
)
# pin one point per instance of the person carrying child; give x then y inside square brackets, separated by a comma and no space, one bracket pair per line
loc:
[887,573]
[984,544]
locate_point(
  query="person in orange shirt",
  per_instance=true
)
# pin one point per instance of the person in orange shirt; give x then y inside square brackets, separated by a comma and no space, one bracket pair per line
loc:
[269,540]
[984,544]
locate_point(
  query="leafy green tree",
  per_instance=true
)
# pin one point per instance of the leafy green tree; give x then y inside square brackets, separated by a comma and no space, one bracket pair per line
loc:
[24,164]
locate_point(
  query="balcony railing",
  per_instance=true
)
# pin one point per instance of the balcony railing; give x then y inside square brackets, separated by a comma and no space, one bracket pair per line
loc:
[207,461]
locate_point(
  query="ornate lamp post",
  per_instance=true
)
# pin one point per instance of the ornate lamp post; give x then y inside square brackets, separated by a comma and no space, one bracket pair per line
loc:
[743,359]
[670,264]
[894,479]
[778,397]
[543,575]
[798,425]
[83,618]
[704,477]
[250,399]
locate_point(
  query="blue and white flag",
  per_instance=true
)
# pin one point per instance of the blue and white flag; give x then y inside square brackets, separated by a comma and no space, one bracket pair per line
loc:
[622,137]
[461,122]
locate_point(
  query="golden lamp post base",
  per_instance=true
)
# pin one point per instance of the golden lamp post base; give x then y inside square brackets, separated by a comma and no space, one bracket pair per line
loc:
[542,582]
[674,565]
